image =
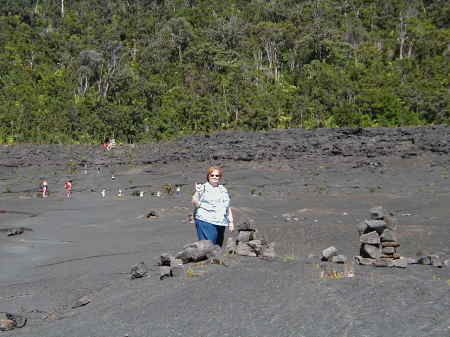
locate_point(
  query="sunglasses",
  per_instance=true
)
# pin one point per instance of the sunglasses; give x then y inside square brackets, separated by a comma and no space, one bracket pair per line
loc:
[215,175]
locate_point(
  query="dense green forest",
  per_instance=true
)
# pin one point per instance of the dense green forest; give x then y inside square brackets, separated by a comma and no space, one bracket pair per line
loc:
[141,70]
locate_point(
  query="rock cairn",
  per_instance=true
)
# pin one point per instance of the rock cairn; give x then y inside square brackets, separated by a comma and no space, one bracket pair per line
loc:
[378,239]
[247,243]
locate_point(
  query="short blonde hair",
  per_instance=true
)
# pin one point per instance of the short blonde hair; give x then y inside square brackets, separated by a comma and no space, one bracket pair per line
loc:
[211,169]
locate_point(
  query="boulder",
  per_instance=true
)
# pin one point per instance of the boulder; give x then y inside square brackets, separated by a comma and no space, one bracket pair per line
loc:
[391,222]
[164,272]
[165,259]
[176,267]
[230,246]
[436,261]
[411,260]
[15,231]
[400,263]
[370,251]
[244,249]
[364,261]
[377,213]
[426,260]
[376,225]
[371,238]
[390,244]
[196,251]
[388,250]
[339,259]
[382,263]
[245,236]
[362,227]
[246,226]
[388,235]
[138,271]
[257,246]
[268,250]
[329,252]
[81,302]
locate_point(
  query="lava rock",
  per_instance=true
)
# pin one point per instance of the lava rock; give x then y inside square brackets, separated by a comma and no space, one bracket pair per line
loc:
[245,236]
[377,213]
[15,231]
[371,238]
[164,272]
[81,302]
[364,261]
[328,253]
[268,250]
[230,246]
[246,226]
[138,271]
[388,235]
[376,225]
[388,250]
[256,245]
[400,263]
[371,251]
[165,259]
[390,244]
[390,222]
[197,251]
[362,227]
[244,249]
[436,261]
[425,260]
[411,260]
[339,259]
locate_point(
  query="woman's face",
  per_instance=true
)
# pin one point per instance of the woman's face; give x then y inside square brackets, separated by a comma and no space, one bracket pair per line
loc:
[214,177]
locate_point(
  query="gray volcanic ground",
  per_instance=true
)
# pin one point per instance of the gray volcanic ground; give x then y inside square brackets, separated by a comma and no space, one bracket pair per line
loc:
[304,190]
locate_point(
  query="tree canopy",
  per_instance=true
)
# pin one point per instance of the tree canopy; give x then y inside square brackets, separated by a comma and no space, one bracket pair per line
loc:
[142,70]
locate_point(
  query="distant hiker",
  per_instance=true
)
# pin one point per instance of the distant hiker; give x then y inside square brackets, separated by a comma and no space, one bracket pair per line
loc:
[68,188]
[213,212]
[109,144]
[44,189]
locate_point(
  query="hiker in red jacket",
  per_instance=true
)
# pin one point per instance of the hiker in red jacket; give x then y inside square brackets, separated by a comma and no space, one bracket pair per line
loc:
[68,188]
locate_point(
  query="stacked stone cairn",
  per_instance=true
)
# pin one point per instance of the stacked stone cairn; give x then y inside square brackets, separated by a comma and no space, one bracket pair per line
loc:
[378,239]
[247,242]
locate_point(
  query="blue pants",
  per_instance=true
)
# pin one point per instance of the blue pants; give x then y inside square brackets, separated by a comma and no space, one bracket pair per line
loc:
[208,231]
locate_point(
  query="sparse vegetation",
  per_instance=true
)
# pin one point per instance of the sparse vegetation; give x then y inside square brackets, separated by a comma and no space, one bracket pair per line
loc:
[169,189]
[191,272]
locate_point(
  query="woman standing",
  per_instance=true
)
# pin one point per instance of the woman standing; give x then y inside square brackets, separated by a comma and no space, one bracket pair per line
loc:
[213,212]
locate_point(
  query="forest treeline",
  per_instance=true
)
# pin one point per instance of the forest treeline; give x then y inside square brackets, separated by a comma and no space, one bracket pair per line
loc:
[142,70]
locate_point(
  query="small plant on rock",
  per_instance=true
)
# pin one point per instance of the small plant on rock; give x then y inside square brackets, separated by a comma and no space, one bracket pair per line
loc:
[169,189]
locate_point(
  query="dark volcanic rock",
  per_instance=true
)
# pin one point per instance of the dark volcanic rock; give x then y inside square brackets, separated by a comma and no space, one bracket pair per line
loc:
[138,270]
[372,238]
[242,146]
[197,251]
